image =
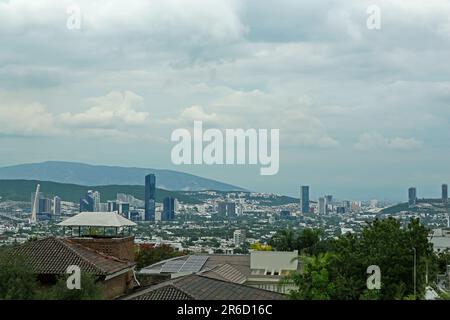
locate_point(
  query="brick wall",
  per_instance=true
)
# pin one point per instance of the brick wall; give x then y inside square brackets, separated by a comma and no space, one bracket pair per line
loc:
[122,248]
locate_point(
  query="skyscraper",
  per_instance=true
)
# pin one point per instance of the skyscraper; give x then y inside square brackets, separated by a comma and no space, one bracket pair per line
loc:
[87,203]
[96,196]
[168,209]
[150,192]
[412,196]
[56,206]
[444,193]
[322,205]
[304,199]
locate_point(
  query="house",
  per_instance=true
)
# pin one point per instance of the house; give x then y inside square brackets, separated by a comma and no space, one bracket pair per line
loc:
[100,244]
[198,287]
[259,269]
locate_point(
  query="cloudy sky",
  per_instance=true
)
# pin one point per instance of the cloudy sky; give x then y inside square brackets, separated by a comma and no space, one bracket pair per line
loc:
[362,113]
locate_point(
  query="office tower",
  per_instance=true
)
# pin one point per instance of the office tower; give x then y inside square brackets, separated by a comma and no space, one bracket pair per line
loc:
[150,193]
[124,209]
[347,205]
[112,206]
[412,196]
[322,206]
[329,199]
[87,203]
[239,237]
[227,208]
[304,199]
[56,206]
[340,210]
[168,209]
[96,197]
[444,193]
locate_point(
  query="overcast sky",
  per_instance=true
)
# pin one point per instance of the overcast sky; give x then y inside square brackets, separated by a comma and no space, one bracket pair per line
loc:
[362,113]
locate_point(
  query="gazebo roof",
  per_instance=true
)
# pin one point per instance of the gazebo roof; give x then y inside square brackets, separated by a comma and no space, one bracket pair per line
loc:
[97,219]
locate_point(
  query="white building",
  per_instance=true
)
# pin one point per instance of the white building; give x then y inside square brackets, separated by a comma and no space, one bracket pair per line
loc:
[239,237]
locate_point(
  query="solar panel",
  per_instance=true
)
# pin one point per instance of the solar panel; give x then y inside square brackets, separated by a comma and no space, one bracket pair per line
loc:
[172,266]
[194,264]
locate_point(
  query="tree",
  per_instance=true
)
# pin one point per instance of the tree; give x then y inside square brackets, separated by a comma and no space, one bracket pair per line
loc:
[284,240]
[148,254]
[314,283]
[384,243]
[17,282]
[90,290]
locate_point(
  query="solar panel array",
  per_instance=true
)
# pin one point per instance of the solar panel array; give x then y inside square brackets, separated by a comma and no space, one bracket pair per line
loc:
[172,266]
[192,264]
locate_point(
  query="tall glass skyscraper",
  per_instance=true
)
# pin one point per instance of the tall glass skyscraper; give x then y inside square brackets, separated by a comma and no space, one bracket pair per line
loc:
[168,209]
[304,199]
[412,196]
[445,193]
[150,191]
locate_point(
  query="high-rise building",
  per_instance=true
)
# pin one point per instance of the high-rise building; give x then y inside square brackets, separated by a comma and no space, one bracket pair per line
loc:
[322,205]
[112,206]
[239,237]
[329,199]
[444,193]
[87,203]
[304,199]
[168,209]
[56,206]
[412,196]
[96,196]
[226,208]
[150,197]
[124,209]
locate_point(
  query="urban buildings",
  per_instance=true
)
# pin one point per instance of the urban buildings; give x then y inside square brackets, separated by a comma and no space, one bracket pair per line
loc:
[226,208]
[304,199]
[239,237]
[150,200]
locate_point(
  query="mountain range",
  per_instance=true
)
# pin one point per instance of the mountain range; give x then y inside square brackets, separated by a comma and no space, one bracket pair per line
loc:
[98,175]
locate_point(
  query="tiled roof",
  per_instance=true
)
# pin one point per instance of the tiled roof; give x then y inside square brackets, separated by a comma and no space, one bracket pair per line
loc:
[53,256]
[168,292]
[198,287]
[225,272]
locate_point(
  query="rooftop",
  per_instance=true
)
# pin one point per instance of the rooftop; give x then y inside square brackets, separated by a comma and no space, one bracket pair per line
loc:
[197,287]
[97,219]
[53,256]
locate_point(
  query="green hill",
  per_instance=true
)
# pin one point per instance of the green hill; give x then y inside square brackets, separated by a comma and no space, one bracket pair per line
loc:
[21,190]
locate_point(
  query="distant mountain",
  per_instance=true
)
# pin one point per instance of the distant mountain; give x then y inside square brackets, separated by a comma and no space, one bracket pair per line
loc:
[92,175]
[20,190]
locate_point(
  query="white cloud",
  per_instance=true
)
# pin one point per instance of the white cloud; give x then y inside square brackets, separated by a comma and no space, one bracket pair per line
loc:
[19,117]
[294,116]
[375,141]
[115,110]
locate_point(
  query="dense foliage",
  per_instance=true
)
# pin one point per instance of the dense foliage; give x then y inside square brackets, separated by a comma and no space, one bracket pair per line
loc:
[147,255]
[341,271]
